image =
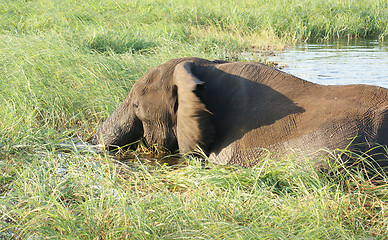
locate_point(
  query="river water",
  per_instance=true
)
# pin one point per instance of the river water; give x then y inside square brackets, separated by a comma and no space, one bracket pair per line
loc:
[338,62]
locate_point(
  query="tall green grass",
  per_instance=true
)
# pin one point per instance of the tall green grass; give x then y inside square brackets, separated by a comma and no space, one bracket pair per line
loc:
[79,195]
[66,65]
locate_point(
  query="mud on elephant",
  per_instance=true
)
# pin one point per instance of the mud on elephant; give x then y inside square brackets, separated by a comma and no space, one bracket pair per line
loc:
[236,111]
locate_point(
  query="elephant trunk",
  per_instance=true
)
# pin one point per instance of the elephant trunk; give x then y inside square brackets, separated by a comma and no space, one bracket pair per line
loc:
[121,128]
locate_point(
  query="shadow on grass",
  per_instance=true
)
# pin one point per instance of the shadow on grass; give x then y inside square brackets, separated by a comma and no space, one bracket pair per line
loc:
[118,43]
[359,171]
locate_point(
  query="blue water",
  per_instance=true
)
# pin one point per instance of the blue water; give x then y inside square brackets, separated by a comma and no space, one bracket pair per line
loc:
[338,62]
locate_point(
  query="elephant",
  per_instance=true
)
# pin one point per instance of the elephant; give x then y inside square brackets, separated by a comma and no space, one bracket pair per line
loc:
[237,112]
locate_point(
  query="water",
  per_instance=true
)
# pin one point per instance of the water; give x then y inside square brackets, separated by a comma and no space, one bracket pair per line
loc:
[338,62]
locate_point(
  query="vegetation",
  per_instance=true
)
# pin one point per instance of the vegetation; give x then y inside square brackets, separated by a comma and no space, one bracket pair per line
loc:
[66,65]
[88,196]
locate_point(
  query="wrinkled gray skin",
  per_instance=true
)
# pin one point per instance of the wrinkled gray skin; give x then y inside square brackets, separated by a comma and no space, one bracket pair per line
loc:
[235,110]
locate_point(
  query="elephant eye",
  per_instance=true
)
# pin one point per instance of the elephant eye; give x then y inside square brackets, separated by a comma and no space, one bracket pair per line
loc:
[135,105]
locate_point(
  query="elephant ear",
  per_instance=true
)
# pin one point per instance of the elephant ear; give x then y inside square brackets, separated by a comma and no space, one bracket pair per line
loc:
[194,128]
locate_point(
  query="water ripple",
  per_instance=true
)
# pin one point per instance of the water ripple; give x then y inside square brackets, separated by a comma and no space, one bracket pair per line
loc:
[339,62]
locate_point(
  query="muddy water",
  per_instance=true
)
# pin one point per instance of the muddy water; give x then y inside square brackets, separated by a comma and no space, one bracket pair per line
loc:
[150,159]
[337,62]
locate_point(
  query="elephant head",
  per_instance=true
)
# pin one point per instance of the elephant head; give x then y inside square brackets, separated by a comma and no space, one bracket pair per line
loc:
[163,108]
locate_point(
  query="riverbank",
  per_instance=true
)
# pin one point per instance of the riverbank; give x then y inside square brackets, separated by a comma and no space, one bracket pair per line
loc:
[66,65]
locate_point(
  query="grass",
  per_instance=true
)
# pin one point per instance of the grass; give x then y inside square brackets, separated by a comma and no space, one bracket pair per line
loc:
[84,195]
[66,65]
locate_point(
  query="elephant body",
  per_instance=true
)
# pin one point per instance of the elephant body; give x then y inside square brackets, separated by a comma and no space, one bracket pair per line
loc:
[238,111]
